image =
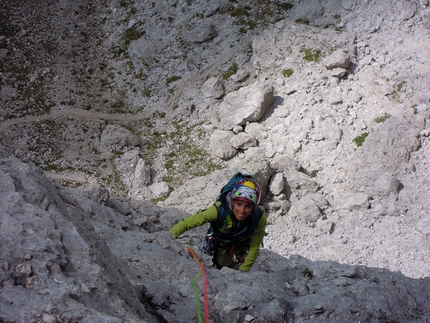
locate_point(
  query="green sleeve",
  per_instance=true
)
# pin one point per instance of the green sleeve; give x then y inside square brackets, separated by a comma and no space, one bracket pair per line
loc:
[256,241]
[194,220]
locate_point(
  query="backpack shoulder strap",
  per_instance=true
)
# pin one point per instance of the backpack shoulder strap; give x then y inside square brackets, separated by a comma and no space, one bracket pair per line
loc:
[222,215]
[257,213]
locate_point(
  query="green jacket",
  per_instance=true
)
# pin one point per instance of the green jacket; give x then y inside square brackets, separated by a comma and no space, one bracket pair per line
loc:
[211,215]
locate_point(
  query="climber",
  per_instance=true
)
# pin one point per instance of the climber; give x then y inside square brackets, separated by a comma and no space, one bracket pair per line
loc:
[237,226]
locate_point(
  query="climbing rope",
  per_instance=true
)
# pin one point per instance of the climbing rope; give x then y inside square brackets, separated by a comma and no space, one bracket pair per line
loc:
[205,288]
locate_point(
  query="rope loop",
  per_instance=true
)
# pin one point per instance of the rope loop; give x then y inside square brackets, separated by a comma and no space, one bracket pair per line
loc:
[205,288]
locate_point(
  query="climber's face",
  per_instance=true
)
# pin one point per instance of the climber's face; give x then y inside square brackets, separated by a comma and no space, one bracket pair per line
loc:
[241,209]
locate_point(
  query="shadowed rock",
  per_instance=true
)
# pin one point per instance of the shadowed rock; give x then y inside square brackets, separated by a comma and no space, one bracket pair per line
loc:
[65,257]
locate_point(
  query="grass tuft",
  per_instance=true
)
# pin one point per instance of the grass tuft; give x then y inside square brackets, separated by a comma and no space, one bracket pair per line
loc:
[383,118]
[360,139]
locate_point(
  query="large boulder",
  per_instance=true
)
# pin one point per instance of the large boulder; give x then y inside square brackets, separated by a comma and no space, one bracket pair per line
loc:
[392,144]
[309,208]
[277,184]
[248,104]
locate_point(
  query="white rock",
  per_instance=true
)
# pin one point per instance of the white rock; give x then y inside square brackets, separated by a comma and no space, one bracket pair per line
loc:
[337,59]
[386,185]
[308,210]
[276,184]
[325,226]
[220,146]
[243,141]
[160,189]
[213,88]
[359,201]
[338,72]
[248,104]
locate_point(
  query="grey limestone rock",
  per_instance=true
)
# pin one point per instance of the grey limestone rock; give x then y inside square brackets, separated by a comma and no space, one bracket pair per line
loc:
[63,263]
[220,144]
[277,184]
[356,201]
[213,87]
[136,67]
[161,189]
[325,226]
[337,59]
[115,138]
[133,169]
[243,141]
[241,75]
[203,34]
[348,4]
[248,104]
[338,72]
[307,209]
[387,184]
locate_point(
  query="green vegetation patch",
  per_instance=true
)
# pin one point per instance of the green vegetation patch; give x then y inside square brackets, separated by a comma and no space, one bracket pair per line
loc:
[303,21]
[118,107]
[147,93]
[231,71]
[287,72]
[399,87]
[383,118]
[172,79]
[255,13]
[360,139]
[183,152]
[307,273]
[311,55]
[133,33]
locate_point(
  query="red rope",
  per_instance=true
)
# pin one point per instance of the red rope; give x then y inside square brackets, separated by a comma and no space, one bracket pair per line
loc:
[205,292]
[205,285]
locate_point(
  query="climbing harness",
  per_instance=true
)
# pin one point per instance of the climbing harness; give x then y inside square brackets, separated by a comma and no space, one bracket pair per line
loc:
[205,288]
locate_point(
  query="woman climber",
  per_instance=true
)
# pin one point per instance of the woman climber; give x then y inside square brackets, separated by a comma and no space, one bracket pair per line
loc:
[237,225]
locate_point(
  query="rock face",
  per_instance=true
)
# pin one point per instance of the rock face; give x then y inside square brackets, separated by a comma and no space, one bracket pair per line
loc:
[70,256]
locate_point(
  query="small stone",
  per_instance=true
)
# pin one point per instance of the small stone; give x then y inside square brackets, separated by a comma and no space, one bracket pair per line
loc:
[237,129]
[48,318]
[338,72]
